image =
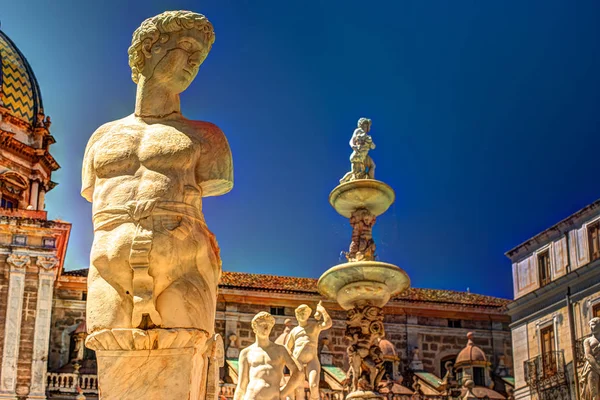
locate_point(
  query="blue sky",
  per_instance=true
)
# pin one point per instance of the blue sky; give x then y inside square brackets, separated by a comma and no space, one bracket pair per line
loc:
[485,115]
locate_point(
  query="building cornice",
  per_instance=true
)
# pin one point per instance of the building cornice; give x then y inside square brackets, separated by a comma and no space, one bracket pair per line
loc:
[41,156]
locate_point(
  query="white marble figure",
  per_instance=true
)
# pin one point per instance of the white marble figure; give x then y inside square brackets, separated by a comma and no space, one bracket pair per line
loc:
[261,365]
[361,142]
[303,344]
[590,374]
[154,262]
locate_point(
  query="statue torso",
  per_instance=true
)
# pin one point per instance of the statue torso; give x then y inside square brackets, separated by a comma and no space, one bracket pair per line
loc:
[167,160]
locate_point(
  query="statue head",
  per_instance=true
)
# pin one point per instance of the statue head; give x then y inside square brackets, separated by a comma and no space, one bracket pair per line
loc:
[303,312]
[595,325]
[262,323]
[364,124]
[168,49]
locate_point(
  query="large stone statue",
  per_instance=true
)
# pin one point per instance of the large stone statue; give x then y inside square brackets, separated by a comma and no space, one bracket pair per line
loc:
[590,374]
[361,142]
[154,262]
[303,343]
[261,365]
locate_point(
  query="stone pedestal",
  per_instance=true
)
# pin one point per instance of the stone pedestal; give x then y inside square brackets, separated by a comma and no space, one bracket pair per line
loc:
[151,364]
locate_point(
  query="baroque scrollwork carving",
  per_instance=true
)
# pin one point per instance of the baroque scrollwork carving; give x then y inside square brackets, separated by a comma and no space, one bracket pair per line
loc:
[364,328]
[47,262]
[19,260]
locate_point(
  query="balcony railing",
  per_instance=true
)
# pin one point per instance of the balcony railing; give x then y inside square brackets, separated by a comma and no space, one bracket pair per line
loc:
[68,382]
[545,370]
[23,213]
[579,353]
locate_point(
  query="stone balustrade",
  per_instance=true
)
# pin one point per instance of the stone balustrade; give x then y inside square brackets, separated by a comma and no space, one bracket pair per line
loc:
[68,382]
[23,213]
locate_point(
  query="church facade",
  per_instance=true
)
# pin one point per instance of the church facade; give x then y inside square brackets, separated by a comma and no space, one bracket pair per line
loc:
[32,247]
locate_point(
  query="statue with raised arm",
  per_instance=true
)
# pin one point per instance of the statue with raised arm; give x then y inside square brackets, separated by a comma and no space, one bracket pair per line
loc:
[303,342]
[154,264]
[361,142]
[589,377]
[261,365]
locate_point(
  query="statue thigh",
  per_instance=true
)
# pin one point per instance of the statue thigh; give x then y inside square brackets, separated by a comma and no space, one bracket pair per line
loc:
[110,301]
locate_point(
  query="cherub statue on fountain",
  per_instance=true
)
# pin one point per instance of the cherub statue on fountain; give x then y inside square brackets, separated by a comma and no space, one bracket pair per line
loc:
[361,142]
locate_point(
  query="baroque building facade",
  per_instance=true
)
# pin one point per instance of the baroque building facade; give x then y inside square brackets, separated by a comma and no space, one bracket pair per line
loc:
[32,247]
[556,277]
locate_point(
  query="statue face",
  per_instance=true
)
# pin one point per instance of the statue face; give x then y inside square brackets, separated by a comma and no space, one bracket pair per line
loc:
[595,325]
[175,63]
[263,328]
[303,313]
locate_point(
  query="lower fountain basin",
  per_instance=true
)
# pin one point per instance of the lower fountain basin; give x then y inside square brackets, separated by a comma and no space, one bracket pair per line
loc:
[362,282]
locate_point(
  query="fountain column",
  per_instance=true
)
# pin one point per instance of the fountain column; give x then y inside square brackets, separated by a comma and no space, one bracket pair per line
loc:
[363,286]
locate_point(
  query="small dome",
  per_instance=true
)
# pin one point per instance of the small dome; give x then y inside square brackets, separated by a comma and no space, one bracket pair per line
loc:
[19,90]
[470,354]
[387,348]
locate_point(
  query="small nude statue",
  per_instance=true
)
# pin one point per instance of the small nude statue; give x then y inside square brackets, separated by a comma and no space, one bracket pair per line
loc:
[361,142]
[303,343]
[261,365]
[589,377]
[154,262]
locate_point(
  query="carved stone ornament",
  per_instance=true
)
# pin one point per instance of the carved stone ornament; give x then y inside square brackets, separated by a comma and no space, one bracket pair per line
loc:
[19,260]
[47,262]
[364,328]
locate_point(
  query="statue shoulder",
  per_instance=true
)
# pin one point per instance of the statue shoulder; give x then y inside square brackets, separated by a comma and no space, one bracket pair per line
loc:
[101,131]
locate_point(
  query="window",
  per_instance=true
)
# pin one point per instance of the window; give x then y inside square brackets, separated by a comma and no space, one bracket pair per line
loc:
[448,359]
[49,242]
[84,296]
[277,310]
[548,351]
[20,240]
[594,240]
[454,323]
[544,268]
[8,202]
[479,376]
[596,311]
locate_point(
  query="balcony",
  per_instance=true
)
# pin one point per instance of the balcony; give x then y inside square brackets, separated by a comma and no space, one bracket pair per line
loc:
[65,382]
[579,353]
[22,213]
[546,370]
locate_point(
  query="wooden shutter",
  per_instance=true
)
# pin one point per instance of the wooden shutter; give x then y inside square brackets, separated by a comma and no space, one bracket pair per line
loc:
[559,262]
[583,252]
[527,277]
[573,249]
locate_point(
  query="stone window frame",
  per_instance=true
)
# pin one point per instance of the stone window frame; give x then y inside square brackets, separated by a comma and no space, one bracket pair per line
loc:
[553,321]
[595,221]
[590,305]
[536,254]
[14,240]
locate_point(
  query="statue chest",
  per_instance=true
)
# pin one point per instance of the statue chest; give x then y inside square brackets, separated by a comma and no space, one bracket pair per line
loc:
[123,151]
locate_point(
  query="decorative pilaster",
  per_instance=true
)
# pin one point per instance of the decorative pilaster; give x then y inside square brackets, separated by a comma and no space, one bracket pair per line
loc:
[39,364]
[12,330]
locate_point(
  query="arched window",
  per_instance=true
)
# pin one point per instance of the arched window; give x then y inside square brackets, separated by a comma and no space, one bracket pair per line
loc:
[443,362]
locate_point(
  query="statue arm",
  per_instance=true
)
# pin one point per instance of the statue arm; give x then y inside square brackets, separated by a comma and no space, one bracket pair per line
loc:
[214,172]
[296,375]
[244,376]
[327,322]
[289,343]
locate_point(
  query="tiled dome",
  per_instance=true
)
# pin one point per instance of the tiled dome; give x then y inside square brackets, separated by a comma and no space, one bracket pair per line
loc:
[20,93]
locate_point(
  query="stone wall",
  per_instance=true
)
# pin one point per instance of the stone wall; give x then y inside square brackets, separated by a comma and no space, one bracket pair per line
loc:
[67,314]
[27,331]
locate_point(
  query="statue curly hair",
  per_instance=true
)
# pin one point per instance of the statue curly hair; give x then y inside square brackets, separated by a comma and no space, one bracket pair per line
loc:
[157,29]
